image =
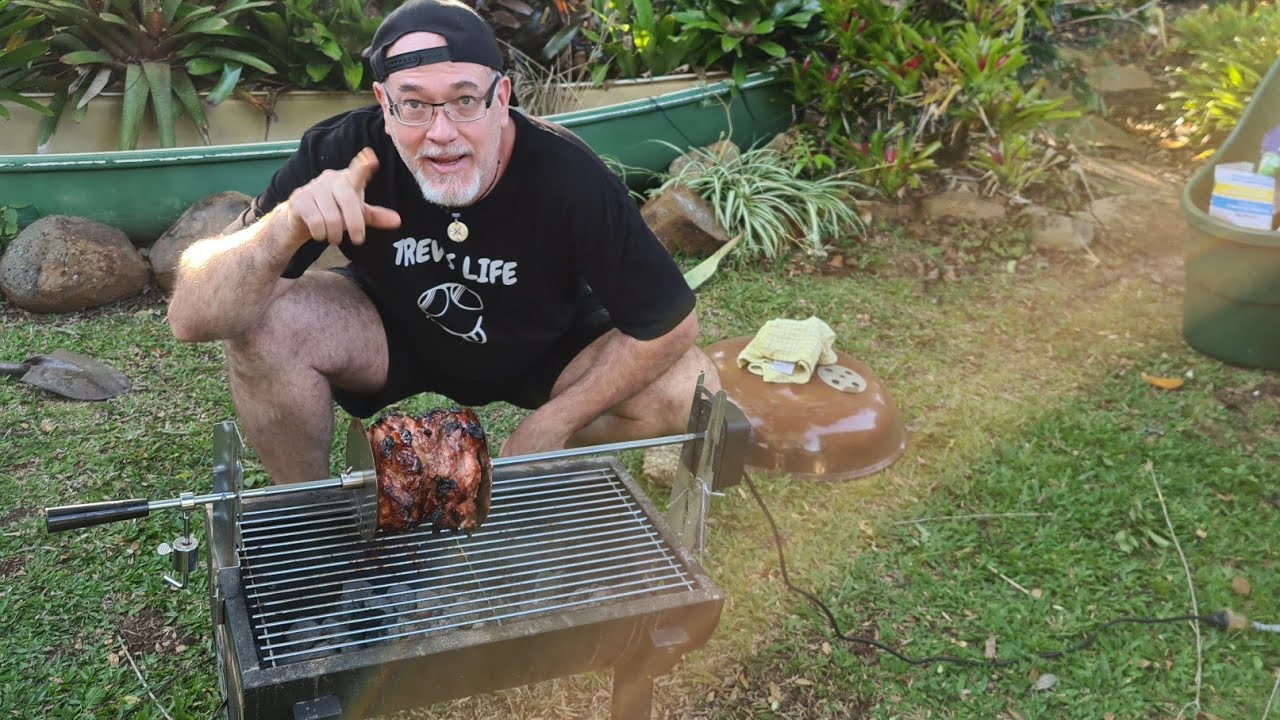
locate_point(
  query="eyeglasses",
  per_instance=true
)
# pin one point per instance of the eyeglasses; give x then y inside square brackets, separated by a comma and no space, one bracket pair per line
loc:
[465,108]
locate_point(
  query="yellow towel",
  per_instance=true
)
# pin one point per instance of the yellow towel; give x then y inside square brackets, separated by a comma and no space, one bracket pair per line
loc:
[787,351]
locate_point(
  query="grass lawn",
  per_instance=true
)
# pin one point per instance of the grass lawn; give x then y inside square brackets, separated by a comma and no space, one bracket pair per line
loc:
[1022,393]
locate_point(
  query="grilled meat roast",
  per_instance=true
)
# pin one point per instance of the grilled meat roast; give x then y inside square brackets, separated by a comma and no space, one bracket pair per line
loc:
[433,469]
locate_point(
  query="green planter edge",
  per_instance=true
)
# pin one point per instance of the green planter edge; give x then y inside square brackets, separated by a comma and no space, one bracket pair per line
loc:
[1231,304]
[142,192]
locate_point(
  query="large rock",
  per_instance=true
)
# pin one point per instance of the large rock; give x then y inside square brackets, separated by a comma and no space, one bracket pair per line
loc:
[62,264]
[205,219]
[683,220]
[962,206]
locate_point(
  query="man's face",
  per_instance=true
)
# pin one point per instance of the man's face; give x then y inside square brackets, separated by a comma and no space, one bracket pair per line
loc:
[453,162]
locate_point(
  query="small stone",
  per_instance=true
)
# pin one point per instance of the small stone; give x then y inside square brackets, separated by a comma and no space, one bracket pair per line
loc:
[1046,681]
[719,152]
[962,206]
[1240,586]
[1057,232]
[1119,79]
[661,464]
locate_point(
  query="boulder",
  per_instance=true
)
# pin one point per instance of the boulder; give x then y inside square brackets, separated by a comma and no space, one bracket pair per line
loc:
[683,220]
[205,219]
[63,264]
[962,206]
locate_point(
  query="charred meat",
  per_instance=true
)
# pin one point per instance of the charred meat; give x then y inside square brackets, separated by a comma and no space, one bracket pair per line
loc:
[434,469]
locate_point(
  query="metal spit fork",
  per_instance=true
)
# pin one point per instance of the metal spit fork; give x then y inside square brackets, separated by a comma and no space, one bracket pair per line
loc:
[717,439]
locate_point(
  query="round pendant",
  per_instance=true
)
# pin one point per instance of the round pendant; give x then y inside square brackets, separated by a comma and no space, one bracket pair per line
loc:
[457,231]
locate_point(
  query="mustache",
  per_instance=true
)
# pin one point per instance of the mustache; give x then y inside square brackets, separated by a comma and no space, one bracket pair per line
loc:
[450,151]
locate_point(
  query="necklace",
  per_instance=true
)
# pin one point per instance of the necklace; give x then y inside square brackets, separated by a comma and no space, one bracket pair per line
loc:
[458,230]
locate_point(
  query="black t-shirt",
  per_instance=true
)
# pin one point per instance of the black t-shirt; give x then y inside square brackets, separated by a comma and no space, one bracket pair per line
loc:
[556,220]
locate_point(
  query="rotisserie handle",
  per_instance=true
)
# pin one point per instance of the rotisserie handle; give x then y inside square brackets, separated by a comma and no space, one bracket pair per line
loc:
[70,517]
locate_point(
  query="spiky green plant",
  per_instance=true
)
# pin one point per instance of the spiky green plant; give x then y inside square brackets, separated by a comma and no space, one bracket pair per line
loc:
[17,54]
[763,195]
[154,47]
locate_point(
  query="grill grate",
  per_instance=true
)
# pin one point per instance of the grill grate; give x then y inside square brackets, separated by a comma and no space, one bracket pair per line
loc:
[552,542]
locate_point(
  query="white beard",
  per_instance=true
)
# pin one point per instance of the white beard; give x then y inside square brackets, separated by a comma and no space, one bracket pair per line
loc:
[451,190]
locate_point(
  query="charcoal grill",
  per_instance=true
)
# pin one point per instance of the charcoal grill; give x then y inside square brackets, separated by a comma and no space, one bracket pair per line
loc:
[574,570]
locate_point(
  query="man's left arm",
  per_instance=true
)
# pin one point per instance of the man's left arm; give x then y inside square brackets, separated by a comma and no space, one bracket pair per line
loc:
[623,367]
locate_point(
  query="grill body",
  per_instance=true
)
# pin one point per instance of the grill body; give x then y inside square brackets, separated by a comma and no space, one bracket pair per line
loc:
[574,570]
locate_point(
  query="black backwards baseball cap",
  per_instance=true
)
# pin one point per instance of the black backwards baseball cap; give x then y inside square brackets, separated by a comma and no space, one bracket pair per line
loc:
[468,36]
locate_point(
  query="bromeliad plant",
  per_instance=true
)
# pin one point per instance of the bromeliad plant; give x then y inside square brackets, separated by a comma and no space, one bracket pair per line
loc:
[744,34]
[763,196]
[150,48]
[897,66]
[18,54]
[313,44]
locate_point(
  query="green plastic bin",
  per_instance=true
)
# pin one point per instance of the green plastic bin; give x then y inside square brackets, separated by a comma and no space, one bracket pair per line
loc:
[1231,308]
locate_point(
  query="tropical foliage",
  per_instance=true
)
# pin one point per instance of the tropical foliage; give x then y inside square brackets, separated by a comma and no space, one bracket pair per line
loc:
[763,195]
[153,47]
[895,83]
[18,53]
[1223,52]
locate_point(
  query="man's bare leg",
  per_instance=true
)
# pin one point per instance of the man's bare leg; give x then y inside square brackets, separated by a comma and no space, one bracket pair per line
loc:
[322,329]
[662,408]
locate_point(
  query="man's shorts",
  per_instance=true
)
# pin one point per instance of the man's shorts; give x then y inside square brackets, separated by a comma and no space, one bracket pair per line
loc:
[407,374]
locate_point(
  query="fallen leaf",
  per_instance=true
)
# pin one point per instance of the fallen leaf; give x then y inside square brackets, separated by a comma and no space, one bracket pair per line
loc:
[1046,681]
[990,651]
[803,682]
[1240,586]
[1164,383]
[836,261]
[826,648]
[1143,663]
[1200,533]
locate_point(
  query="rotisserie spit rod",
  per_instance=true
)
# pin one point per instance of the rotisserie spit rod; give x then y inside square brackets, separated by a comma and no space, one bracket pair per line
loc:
[70,517]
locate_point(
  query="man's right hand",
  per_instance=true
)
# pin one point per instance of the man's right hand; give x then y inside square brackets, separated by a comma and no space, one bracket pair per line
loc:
[333,204]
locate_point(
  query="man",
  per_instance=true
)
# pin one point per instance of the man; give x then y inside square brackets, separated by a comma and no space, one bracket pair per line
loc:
[493,257]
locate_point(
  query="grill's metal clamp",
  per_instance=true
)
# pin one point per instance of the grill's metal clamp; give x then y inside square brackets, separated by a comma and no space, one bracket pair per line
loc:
[714,459]
[185,551]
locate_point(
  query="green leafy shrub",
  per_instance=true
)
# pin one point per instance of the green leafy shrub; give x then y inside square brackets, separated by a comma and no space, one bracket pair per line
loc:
[1223,53]
[313,43]
[764,196]
[634,38]
[18,54]
[896,83]
[745,35]
[149,48]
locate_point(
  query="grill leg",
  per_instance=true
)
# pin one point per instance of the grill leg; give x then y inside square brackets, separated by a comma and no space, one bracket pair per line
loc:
[632,693]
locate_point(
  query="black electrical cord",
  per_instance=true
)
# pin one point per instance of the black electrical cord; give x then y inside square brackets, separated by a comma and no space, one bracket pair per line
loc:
[1219,619]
